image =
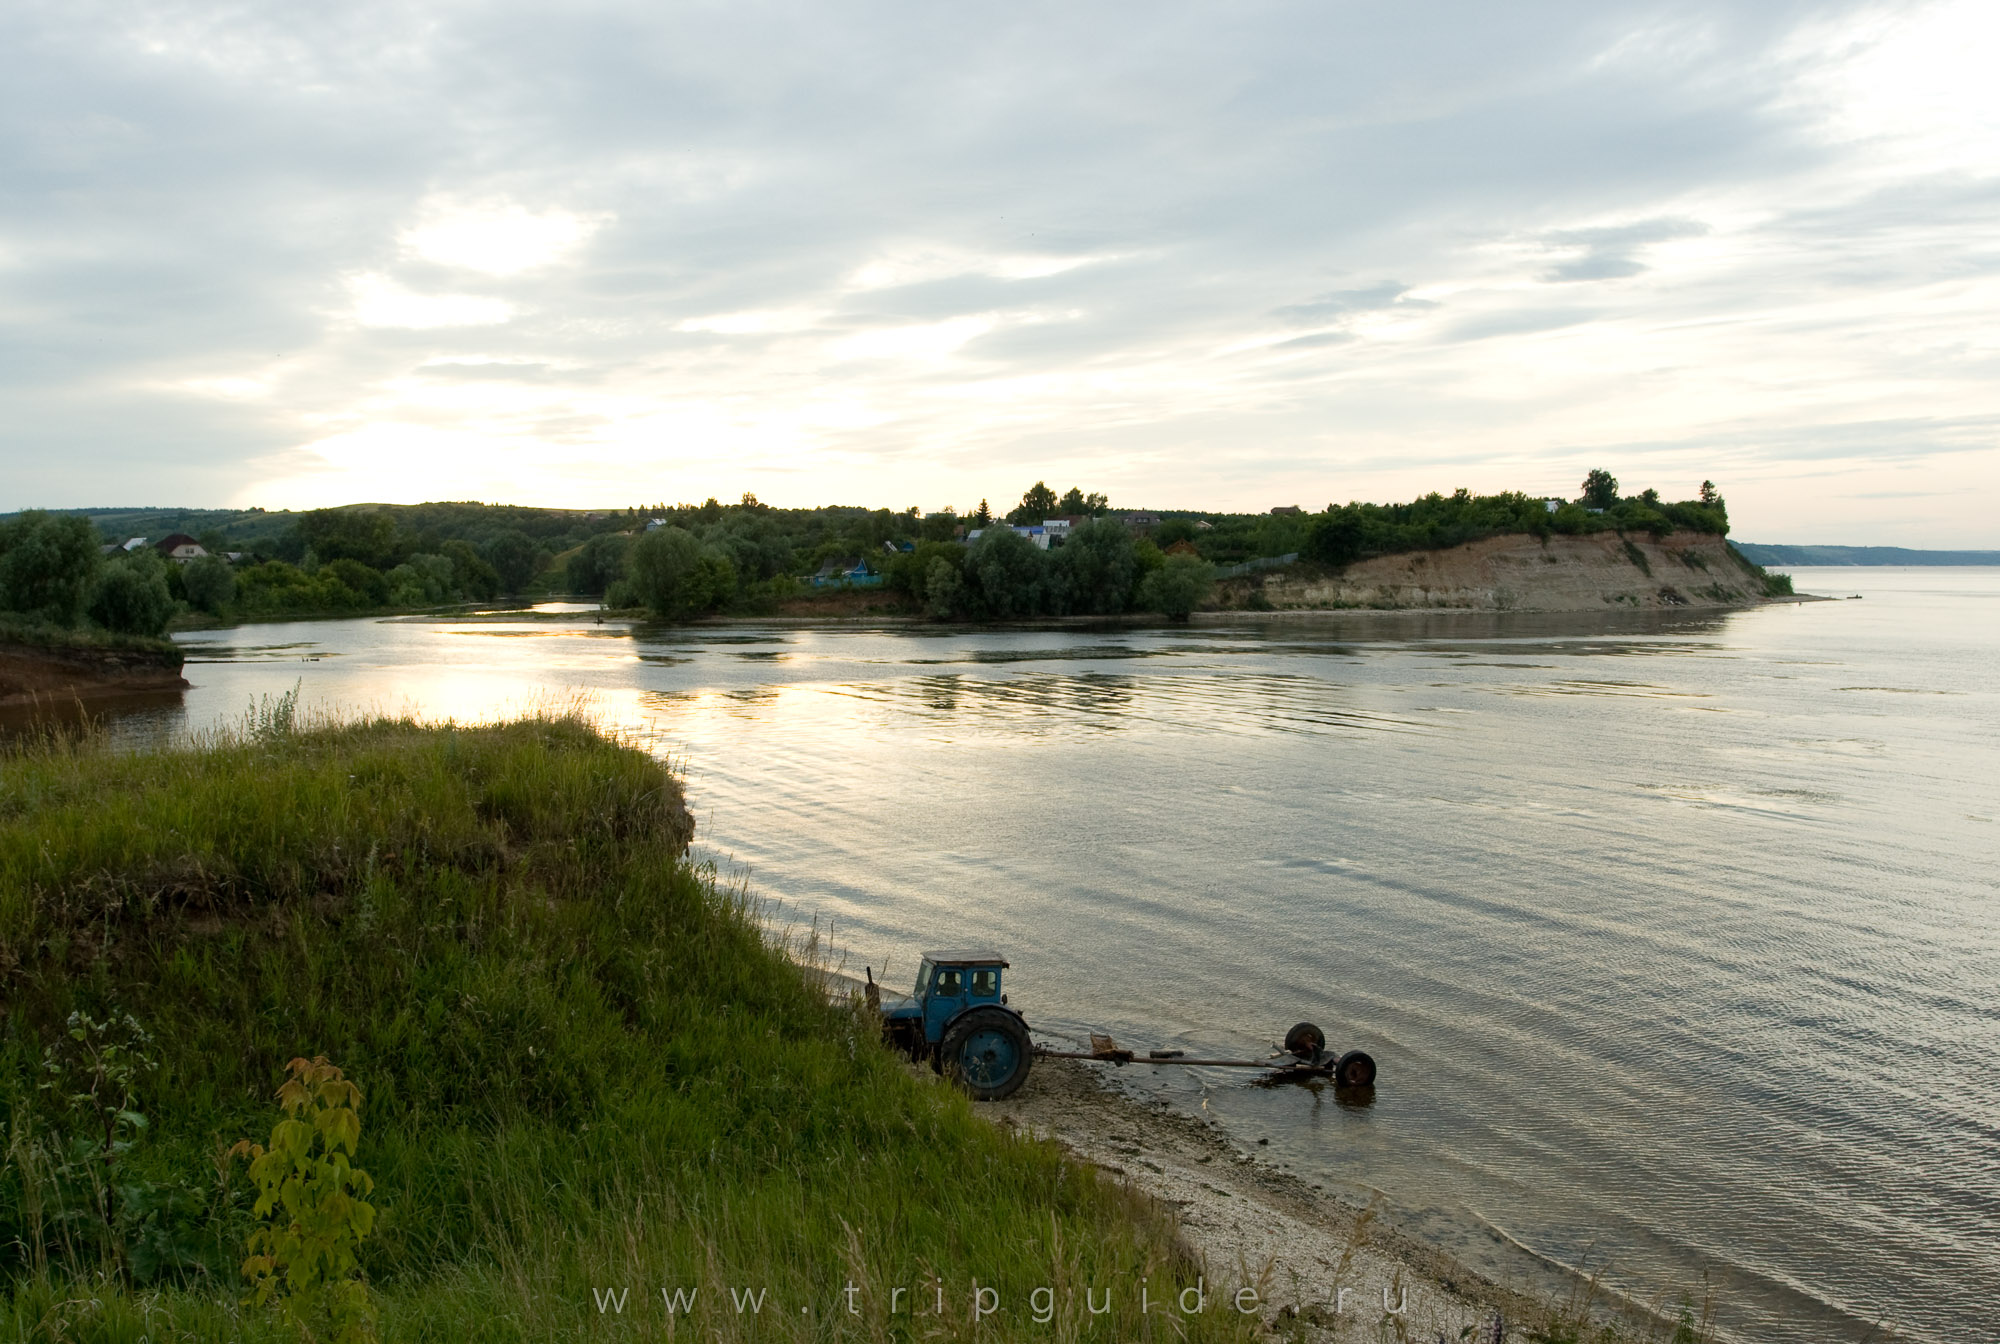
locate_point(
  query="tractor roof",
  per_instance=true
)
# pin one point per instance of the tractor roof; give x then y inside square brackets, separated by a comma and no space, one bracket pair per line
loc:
[965,958]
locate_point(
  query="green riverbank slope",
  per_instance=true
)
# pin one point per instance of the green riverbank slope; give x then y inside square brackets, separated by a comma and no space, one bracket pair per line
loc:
[587,1075]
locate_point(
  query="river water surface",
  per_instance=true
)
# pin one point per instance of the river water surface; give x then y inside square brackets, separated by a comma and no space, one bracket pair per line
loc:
[1676,939]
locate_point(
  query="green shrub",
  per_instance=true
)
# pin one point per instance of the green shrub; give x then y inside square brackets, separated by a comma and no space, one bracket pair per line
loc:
[1177,587]
[210,584]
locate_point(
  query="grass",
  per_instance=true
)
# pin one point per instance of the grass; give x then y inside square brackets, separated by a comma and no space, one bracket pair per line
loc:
[16,629]
[587,1070]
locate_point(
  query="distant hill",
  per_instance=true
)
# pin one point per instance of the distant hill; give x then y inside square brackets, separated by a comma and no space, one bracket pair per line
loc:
[1763,554]
[242,525]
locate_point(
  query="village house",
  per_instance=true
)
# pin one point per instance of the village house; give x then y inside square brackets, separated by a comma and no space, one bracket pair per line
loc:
[846,571]
[180,547]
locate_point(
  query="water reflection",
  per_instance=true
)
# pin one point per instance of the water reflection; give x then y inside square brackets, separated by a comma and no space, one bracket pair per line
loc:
[1673,935]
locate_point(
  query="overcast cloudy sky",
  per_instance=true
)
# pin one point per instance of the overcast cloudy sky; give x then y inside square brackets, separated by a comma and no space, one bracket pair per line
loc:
[1221,255]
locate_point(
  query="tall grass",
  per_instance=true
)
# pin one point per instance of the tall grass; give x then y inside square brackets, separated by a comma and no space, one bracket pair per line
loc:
[588,1071]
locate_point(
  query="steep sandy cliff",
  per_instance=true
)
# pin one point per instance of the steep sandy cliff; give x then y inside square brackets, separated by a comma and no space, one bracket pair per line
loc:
[1519,573]
[30,673]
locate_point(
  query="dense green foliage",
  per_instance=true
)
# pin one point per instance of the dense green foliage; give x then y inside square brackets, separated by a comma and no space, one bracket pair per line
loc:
[1100,570]
[1177,587]
[48,567]
[584,1067]
[690,560]
[53,576]
[1349,532]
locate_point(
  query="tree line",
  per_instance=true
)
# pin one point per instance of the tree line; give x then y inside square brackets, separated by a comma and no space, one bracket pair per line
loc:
[687,560]
[1346,533]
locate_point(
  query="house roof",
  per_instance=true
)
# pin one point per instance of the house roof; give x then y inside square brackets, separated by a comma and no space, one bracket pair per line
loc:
[173,541]
[967,958]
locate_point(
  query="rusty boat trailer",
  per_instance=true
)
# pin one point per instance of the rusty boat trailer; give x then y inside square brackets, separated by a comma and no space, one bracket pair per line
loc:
[1304,1059]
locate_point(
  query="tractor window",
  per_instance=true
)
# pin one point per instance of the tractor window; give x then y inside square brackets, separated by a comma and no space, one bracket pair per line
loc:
[923,978]
[985,983]
[950,983]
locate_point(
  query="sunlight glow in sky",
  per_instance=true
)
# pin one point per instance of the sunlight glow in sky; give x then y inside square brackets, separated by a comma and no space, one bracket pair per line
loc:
[1193,256]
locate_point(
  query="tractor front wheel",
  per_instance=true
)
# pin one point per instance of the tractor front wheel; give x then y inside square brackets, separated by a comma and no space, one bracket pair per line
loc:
[987,1053]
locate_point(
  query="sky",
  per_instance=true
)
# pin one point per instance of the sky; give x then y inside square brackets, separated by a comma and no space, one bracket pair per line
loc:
[1222,256]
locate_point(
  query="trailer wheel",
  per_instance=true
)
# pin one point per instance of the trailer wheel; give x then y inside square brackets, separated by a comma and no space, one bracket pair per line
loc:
[1355,1069]
[1306,1041]
[987,1053]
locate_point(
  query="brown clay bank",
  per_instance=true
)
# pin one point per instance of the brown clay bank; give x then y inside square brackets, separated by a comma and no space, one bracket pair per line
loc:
[1598,572]
[31,673]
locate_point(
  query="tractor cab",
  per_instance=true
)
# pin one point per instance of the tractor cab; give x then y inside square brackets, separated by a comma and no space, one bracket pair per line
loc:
[958,1019]
[948,983]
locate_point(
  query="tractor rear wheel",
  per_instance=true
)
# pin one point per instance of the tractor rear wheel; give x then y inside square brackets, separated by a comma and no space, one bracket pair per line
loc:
[1355,1069]
[1305,1041]
[987,1053]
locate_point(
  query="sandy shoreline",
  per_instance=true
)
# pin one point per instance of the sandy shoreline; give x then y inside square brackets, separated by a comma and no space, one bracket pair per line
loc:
[1317,1261]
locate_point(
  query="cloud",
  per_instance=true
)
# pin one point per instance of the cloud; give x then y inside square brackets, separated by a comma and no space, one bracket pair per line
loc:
[1336,303]
[1279,251]
[379,301]
[1612,253]
[497,238]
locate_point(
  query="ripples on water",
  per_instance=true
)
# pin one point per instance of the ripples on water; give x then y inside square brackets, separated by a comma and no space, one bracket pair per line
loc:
[1675,938]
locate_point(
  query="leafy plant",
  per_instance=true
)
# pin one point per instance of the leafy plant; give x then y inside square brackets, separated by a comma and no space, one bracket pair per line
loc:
[313,1201]
[94,1072]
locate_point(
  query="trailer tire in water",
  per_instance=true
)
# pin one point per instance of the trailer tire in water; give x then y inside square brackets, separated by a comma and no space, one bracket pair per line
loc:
[987,1052]
[1305,1040]
[1355,1069]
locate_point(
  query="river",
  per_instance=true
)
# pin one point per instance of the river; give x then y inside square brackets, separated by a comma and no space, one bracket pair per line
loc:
[1676,938]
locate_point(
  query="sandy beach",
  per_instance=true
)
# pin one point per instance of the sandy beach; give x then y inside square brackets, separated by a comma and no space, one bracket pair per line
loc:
[1320,1265]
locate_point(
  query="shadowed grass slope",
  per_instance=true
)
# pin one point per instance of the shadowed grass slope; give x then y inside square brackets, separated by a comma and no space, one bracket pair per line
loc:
[587,1071]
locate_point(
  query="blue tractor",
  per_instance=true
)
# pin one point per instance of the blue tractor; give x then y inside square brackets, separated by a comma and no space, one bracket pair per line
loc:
[959,1021]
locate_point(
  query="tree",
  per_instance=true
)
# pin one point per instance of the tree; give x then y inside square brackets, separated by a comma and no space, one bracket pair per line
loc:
[1600,489]
[370,587]
[982,516]
[673,574]
[210,584]
[1100,566]
[1038,503]
[941,589]
[131,596]
[1336,537]
[48,566]
[599,564]
[1074,503]
[1011,572]
[1177,587]
[421,581]
[366,535]
[939,526]
[470,574]
[514,557]
[1708,495]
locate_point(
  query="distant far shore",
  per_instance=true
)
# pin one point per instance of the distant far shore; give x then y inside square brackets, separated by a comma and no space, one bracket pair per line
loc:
[1767,553]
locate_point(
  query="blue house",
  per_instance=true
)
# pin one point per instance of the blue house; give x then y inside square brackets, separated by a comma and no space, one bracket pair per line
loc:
[846,572]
